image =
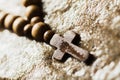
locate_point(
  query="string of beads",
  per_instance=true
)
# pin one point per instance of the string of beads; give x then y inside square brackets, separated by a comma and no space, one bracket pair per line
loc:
[32,27]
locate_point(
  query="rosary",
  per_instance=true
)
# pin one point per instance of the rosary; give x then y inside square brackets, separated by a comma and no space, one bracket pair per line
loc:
[34,27]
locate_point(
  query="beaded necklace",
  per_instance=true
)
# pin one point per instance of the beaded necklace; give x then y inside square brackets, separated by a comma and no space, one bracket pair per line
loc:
[35,28]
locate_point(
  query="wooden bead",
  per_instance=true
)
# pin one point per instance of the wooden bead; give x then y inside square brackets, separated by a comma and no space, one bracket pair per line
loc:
[27,30]
[36,20]
[18,26]
[48,35]
[2,18]
[9,21]
[32,11]
[38,31]
[30,2]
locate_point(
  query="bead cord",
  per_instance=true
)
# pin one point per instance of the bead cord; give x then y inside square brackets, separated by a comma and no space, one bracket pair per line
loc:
[34,27]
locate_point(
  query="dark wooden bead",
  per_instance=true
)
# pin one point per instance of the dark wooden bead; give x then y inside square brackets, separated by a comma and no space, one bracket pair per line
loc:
[32,11]
[36,20]
[30,2]
[18,26]
[38,31]
[27,30]
[9,21]
[2,17]
[48,35]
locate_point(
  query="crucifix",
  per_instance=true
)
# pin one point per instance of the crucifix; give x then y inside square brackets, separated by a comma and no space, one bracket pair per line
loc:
[64,45]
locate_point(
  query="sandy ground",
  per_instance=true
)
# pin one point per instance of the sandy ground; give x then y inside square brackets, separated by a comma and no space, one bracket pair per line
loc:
[98,24]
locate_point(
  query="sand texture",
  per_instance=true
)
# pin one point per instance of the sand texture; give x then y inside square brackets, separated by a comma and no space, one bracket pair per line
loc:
[96,21]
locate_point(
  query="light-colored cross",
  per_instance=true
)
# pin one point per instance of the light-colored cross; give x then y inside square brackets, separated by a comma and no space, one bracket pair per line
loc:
[64,45]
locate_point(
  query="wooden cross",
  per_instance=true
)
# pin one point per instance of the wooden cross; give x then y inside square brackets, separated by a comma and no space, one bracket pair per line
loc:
[64,45]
